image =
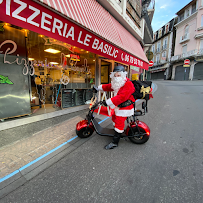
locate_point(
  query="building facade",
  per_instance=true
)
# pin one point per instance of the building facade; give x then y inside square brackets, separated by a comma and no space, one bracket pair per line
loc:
[162,49]
[53,52]
[189,42]
[147,15]
[136,16]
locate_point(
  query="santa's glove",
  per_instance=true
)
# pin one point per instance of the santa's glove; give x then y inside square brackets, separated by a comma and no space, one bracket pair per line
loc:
[104,103]
[95,89]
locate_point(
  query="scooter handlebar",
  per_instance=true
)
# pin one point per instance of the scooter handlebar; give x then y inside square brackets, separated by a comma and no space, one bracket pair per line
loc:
[96,105]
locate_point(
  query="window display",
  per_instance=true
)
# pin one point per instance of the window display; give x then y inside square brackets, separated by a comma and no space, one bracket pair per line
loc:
[59,67]
[44,69]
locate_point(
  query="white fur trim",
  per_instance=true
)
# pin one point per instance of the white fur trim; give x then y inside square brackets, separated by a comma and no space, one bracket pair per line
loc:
[100,88]
[124,113]
[110,103]
[118,131]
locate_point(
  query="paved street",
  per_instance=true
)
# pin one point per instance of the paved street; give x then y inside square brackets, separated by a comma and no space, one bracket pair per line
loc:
[168,168]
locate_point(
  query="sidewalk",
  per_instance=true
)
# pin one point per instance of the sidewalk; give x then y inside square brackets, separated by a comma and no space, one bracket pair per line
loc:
[22,160]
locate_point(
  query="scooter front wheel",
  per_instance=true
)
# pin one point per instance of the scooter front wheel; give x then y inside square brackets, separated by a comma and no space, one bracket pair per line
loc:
[85,132]
[139,138]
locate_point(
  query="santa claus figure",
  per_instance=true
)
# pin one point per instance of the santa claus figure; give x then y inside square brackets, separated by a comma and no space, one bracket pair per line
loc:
[122,102]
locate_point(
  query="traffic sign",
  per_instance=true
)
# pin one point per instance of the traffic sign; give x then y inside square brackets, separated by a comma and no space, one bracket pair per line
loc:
[186,61]
[151,63]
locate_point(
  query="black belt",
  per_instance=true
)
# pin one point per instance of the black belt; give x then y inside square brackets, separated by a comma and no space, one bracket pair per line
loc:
[126,103]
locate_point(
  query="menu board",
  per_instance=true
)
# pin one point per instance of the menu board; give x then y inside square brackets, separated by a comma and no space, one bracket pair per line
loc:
[67,98]
[75,97]
[79,97]
[88,94]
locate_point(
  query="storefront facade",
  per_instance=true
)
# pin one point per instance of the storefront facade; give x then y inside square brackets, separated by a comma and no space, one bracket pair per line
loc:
[48,59]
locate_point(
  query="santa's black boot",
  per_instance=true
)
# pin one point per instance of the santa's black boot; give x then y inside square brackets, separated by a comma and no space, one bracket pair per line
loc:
[115,142]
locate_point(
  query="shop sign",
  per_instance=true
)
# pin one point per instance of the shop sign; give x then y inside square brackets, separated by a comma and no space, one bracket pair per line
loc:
[18,60]
[37,18]
[135,68]
[75,56]
[158,70]
[29,65]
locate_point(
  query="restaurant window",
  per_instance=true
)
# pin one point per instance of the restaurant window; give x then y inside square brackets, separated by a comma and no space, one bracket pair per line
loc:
[59,67]
[48,72]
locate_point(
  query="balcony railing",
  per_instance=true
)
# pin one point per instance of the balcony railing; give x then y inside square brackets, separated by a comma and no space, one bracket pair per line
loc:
[200,52]
[185,38]
[175,58]
[192,53]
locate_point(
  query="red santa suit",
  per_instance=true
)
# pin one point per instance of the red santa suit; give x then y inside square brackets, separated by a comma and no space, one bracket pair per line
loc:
[120,113]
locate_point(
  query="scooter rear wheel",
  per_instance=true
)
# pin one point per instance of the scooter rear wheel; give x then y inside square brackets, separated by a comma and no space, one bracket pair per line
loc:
[138,139]
[85,132]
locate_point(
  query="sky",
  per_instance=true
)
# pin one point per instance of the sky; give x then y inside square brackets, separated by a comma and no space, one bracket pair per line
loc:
[165,10]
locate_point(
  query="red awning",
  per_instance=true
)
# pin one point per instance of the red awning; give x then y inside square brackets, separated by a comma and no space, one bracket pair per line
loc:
[100,33]
[93,16]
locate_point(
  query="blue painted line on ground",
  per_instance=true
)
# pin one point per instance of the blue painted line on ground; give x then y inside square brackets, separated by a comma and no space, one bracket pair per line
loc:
[34,161]
[72,139]
[8,176]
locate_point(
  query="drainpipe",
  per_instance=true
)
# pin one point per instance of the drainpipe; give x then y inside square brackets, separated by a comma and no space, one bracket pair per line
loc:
[124,7]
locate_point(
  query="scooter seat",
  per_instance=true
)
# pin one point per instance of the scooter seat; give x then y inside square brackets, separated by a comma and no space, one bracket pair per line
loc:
[138,113]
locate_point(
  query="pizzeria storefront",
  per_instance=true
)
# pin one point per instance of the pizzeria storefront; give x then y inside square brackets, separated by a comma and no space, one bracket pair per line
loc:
[49,60]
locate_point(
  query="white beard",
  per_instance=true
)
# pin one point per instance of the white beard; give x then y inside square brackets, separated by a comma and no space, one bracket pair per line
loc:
[118,82]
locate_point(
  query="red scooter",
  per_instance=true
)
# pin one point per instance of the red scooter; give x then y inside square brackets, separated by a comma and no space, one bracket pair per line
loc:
[137,131]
